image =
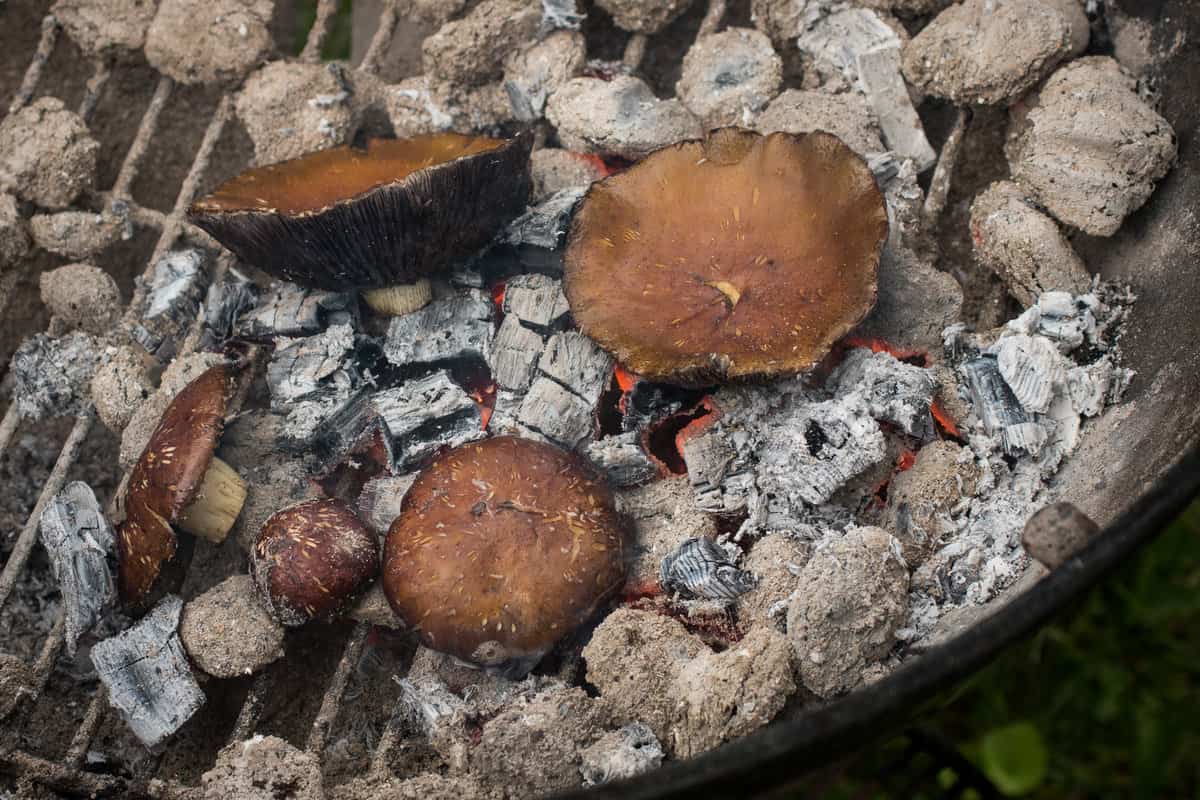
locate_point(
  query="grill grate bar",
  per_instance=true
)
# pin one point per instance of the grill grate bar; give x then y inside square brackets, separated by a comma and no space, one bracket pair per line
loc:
[33,73]
[252,706]
[58,476]
[331,703]
[8,425]
[141,141]
[319,30]
[382,38]
[86,730]
[101,72]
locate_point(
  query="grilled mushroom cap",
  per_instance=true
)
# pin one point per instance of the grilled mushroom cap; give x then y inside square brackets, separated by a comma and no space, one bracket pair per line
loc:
[178,481]
[312,560]
[390,214]
[736,256]
[501,548]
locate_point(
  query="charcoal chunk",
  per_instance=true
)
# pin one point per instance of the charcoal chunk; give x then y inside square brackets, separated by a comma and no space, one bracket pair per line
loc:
[537,301]
[226,302]
[578,364]
[172,302]
[514,355]
[425,415]
[994,402]
[79,541]
[557,414]
[451,329]
[545,225]
[51,375]
[700,568]
[289,310]
[622,459]
[894,391]
[300,368]
[148,676]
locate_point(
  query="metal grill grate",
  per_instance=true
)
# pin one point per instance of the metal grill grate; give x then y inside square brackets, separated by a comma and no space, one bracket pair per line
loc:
[67,772]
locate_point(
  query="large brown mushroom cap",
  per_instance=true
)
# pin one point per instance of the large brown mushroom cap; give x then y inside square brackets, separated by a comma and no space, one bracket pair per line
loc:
[501,548]
[167,477]
[381,216]
[311,561]
[736,256]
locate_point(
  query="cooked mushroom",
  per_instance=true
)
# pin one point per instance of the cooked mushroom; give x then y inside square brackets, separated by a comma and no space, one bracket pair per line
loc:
[178,481]
[501,548]
[379,219]
[312,560]
[735,256]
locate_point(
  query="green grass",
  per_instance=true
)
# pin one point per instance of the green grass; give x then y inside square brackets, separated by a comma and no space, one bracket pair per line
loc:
[337,43]
[1105,703]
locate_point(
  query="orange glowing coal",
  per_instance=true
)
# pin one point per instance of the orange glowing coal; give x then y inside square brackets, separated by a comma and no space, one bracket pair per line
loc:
[498,296]
[625,378]
[485,398]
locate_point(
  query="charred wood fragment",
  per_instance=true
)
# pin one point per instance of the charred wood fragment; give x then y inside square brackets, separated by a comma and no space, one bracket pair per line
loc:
[289,310]
[622,459]
[226,302]
[994,402]
[701,568]
[451,329]
[172,302]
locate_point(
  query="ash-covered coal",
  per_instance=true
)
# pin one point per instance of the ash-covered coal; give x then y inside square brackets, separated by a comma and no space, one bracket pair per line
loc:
[227,301]
[173,299]
[289,310]
[51,374]
[702,568]
[455,328]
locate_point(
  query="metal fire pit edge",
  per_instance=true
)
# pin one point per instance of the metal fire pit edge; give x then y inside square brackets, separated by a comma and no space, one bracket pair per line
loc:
[1152,455]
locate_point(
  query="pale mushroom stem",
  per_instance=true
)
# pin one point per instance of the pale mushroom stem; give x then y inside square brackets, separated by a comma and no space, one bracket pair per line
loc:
[217,504]
[395,301]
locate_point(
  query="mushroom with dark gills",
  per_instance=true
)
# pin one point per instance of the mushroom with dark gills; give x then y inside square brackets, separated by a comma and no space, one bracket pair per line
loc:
[178,482]
[502,547]
[735,256]
[312,560]
[381,218]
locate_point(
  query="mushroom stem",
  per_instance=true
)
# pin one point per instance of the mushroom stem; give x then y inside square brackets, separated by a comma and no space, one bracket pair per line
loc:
[395,301]
[217,504]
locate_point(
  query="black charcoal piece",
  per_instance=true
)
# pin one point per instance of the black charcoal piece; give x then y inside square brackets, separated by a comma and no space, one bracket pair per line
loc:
[648,402]
[79,541]
[327,429]
[893,390]
[51,374]
[451,329]
[289,310]
[514,355]
[425,415]
[545,225]
[622,459]
[700,568]
[148,676]
[301,368]
[992,399]
[1029,437]
[537,301]
[226,302]
[173,301]
[578,364]
[561,416]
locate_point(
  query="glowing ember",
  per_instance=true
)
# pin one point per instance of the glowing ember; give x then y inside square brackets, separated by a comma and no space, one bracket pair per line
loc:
[485,398]
[498,297]
[625,378]
[663,441]
[945,422]
[876,345]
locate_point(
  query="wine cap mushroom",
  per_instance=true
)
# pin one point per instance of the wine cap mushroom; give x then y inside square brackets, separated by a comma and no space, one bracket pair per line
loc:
[501,548]
[312,560]
[178,481]
[735,256]
[380,218]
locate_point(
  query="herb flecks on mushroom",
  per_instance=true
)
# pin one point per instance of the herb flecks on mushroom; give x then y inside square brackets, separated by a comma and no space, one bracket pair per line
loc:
[732,257]
[502,547]
[178,481]
[378,219]
[312,560]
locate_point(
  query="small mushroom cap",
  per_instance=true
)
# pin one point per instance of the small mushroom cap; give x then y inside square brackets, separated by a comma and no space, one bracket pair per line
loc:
[166,477]
[501,548]
[312,560]
[381,216]
[731,257]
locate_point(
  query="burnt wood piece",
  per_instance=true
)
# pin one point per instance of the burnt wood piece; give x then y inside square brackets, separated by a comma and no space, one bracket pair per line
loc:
[537,301]
[622,459]
[51,374]
[226,302]
[301,368]
[700,568]
[720,477]
[390,214]
[577,364]
[79,542]
[993,400]
[556,413]
[895,392]
[425,415]
[291,310]
[324,431]
[451,329]
[173,300]
[545,225]
[514,355]
[148,676]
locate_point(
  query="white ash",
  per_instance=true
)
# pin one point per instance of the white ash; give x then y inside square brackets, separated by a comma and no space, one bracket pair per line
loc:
[894,391]
[703,569]
[424,415]
[51,375]
[663,515]
[78,234]
[537,301]
[619,117]
[728,77]
[173,300]
[554,169]
[578,364]
[148,676]
[628,751]
[450,329]
[471,50]
[860,48]
[621,458]
[301,368]
[79,542]
[289,310]
[561,14]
